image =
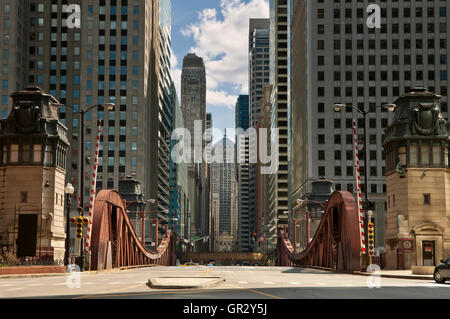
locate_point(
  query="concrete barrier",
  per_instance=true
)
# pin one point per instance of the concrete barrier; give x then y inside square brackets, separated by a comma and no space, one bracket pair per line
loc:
[422,270]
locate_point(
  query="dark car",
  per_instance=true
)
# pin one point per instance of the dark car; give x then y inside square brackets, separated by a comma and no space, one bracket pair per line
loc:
[442,271]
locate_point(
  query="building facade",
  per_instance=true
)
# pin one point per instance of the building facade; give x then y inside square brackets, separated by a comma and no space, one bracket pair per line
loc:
[224,195]
[34,146]
[119,54]
[243,166]
[417,175]
[193,105]
[259,63]
[279,111]
[337,58]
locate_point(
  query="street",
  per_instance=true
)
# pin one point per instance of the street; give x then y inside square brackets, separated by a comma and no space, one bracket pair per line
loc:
[240,283]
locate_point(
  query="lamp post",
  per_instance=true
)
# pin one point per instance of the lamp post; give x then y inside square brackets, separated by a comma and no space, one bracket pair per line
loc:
[83,111]
[364,112]
[307,215]
[69,190]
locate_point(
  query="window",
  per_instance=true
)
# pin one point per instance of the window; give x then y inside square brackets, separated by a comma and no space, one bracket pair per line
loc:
[37,153]
[14,157]
[427,199]
[23,197]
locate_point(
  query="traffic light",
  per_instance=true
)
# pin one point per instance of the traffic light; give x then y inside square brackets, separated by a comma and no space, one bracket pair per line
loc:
[371,237]
[79,227]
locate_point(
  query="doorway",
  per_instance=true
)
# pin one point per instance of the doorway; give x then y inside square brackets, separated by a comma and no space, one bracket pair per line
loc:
[428,253]
[27,235]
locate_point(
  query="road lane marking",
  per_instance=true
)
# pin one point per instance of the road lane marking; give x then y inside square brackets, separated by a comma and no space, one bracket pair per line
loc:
[268,282]
[255,291]
[115,283]
[11,289]
[294,283]
[107,292]
[243,282]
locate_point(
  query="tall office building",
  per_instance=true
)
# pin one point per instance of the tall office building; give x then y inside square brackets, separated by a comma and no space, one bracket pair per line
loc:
[279,112]
[245,202]
[259,75]
[337,58]
[259,64]
[224,195]
[119,54]
[160,118]
[193,91]
[193,104]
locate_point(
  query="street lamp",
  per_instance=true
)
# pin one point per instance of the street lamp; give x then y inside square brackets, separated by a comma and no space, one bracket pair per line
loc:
[301,202]
[364,112]
[69,190]
[83,111]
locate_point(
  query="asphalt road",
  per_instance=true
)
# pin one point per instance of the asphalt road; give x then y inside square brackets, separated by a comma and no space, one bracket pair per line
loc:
[240,283]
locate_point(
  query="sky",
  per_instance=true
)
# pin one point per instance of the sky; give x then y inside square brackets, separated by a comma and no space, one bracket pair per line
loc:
[217,31]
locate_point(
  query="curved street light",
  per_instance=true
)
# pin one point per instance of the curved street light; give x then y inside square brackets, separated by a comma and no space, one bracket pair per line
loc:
[83,111]
[69,190]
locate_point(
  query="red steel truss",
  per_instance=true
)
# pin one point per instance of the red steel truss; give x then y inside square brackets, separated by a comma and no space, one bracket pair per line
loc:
[336,243]
[114,242]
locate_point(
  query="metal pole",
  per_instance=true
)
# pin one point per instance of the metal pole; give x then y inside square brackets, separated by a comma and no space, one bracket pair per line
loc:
[366,188]
[82,261]
[67,244]
[143,229]
[156,233]
[295,233]
[307,228]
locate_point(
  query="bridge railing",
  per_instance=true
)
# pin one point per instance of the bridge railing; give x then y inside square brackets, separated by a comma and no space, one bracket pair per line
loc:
[114,241]
[336,243]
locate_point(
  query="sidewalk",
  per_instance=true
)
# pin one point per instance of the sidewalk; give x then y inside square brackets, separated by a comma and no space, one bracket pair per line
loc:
[400,274]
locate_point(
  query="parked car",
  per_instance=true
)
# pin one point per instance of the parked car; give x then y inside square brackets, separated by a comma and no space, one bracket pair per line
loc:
[442,271]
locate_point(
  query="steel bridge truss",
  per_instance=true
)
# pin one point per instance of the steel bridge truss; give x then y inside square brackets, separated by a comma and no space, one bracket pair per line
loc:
[336,243]
[114,241]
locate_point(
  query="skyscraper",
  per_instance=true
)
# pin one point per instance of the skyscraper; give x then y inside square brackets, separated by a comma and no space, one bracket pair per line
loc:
[114,56]
[279,112]
[245,202]
[193,104]
[338,58]
[224,195]
[259,63]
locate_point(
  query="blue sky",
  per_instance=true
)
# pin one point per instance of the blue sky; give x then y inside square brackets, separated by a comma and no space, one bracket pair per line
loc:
[216,30]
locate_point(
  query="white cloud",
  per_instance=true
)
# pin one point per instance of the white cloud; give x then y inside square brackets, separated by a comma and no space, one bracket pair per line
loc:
[223,44]
[176,73]
[220,98]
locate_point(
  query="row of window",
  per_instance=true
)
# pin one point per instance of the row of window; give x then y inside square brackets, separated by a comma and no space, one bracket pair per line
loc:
[350,188]
[349,139]
[419,12]
[360,91]
[383,44]
[349,155]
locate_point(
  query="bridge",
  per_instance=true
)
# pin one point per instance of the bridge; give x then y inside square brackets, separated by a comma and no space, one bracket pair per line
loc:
[114,241]
[335,245]
[226,258]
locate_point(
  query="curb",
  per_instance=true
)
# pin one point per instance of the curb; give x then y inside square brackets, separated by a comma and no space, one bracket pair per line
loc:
[213,283]
[419,277]
[32,276]
[90,272]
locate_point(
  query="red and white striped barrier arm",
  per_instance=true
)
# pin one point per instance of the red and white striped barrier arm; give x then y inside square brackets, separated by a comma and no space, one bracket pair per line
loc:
[359,194]
[93,189]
